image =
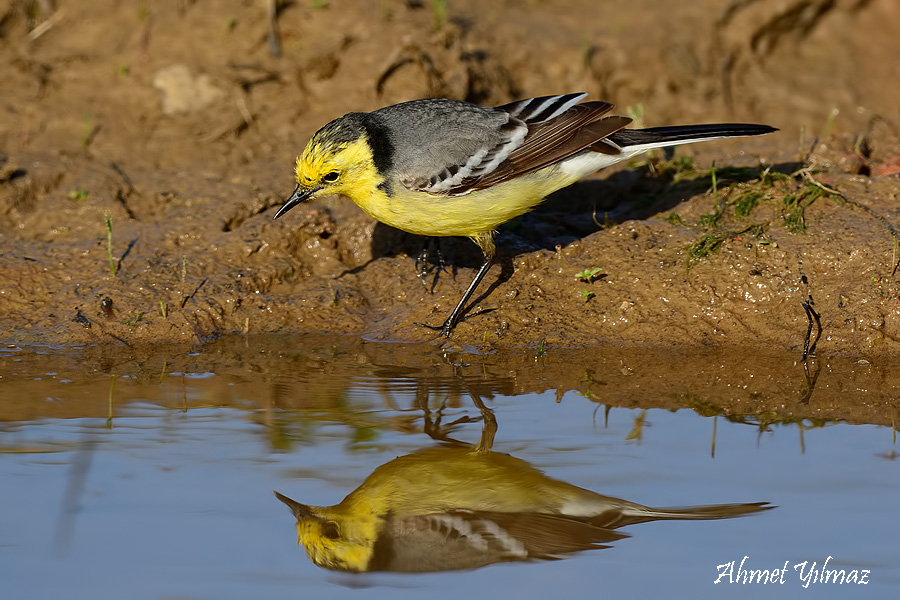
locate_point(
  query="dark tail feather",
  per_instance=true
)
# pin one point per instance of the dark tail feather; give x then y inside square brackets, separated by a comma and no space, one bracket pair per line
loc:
[613,519]
[665,136]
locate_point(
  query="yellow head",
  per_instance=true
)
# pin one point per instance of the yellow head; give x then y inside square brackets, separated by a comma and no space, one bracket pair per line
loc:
[337,160]
[332,539]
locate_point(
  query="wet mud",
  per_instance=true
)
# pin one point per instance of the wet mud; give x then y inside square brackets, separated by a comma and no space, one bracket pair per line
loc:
[316,375]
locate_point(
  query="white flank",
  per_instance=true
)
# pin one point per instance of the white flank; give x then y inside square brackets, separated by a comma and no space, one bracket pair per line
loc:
[582,165]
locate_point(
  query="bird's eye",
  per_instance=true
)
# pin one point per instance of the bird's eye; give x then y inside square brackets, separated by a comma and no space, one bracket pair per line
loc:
[330,530]
[330,177]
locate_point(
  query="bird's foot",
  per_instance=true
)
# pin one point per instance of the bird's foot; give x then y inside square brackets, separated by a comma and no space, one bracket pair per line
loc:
[445,330]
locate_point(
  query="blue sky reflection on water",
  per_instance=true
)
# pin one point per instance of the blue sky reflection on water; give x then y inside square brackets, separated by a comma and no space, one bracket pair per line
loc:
[179,504]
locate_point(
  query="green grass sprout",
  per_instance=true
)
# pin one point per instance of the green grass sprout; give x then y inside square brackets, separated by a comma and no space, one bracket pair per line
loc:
[588,275]
[113,267]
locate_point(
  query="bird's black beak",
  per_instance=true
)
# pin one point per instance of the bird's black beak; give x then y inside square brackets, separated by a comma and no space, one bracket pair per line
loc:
[300,195]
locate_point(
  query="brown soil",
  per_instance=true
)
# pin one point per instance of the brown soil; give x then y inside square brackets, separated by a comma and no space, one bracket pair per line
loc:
[177,121]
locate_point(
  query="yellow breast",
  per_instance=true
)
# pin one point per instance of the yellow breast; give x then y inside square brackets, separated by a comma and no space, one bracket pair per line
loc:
[467,215]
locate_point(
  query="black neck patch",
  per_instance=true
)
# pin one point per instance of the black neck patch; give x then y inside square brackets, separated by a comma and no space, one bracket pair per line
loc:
[380,143]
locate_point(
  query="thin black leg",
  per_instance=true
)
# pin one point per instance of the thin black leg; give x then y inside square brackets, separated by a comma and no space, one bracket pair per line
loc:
[453,319]
[485,241]
[447,328]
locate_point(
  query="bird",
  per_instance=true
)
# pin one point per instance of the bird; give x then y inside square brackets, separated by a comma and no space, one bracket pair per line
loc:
[452,507]
[443,167]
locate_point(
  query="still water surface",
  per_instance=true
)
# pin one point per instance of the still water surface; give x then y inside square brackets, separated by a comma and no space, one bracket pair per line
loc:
[152,476]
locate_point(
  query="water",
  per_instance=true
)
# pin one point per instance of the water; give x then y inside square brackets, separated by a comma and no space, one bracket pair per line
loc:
[150,475]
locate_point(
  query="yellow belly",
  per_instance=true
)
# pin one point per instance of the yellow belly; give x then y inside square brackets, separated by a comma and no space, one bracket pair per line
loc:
[466,215]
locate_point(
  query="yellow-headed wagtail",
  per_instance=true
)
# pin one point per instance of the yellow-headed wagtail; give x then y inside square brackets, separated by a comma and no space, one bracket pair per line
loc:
[443,167]
[446,508]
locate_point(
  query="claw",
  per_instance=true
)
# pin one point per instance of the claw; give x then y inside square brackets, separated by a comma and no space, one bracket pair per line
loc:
[445,330]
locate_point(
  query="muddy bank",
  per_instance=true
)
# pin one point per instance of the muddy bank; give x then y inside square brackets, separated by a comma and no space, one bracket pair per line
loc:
[182,129]
[279,374]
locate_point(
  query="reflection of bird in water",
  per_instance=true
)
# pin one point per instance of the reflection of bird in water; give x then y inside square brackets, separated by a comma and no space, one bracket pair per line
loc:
[444,508]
